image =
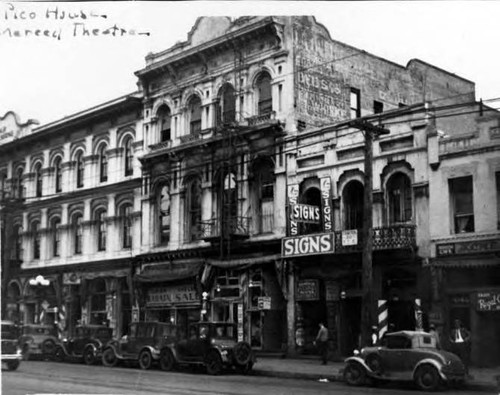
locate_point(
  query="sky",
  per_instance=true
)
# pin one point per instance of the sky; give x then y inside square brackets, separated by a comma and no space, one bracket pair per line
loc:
[48,78]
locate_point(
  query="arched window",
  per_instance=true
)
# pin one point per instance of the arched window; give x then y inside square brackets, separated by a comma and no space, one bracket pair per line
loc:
[195,115]
[56,236]
[228,202]
[265,103]
[126,222]
[101,229]
[400,198]
[193,204]
[98,312]
[19,186]
[79,169]
[38,180]
[58,174]
[164,121]
[226,112]
[164,214]
[352,198]
[77,232]
[129,157]
[35,230]
[311,196]
[103,163]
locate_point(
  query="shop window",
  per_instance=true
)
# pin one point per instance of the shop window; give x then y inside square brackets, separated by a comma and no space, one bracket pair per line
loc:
[79,170]
[56,237]
[227,285]
[35,229]
[164,214]
[461,194]
[126,225]
[254,289]
[195,115]
[400,198]
[355,103]
[193,198]
[264,174]
[497,178]
[129,157]
[101,230]
[38,180]
[164,123]
[265,101]
[352,199]
[103,164]
[77,233]
[58,174]
[98,312]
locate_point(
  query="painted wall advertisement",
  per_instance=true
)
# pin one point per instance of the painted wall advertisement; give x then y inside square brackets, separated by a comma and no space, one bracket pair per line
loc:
[488,300]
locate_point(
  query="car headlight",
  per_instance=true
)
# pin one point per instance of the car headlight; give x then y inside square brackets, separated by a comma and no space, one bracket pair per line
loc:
[448,362]
[224,352]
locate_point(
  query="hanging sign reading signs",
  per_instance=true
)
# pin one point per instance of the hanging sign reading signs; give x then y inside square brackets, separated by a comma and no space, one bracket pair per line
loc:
[488,301]
[293,195]
[326,186]
[320,243]
[305,213]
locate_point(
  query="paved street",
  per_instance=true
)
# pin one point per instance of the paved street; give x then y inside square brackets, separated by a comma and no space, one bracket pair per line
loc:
[63,378]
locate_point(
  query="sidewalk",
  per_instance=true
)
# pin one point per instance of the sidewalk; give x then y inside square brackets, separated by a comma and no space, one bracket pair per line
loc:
[311,369]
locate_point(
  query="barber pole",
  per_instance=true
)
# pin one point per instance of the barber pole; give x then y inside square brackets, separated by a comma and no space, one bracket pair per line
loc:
[419,326]
[383,317]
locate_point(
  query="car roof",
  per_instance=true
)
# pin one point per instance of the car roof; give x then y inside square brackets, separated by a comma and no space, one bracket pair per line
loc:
[212,323]
[408,333]
[7,322]
[93,326]
[38,326]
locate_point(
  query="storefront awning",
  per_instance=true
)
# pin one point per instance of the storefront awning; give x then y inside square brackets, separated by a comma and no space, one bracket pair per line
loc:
[243,262]
[169,271]
[465,263]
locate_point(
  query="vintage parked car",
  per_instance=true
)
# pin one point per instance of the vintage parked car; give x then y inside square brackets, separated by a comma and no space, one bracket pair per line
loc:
[38,340]
[210,344]
[11,353]
[143,344]
[406,356]
[86,345]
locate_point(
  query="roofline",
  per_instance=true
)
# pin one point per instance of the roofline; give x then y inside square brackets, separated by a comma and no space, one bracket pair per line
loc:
[440,69]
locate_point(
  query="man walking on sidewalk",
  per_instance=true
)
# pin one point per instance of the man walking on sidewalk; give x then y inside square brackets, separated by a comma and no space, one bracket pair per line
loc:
[322,343]
[460,343]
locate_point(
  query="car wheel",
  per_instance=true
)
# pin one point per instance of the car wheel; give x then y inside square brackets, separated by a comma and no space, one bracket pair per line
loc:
[48,347]
[26,351]
[355,374]
[213,362]
[89,356]
[245,369]
[427,378]
[59,354]
[167,360]
[13,365]
[242,353]
[145,359]
[109,358]
[374,362]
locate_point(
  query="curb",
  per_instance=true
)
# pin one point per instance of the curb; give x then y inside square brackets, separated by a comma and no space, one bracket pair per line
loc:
[338,377]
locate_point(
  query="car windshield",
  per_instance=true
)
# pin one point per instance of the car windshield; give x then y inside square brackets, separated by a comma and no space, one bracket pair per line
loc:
[39,330]
[224,332]
[167,331]
[9,331]
[103,333]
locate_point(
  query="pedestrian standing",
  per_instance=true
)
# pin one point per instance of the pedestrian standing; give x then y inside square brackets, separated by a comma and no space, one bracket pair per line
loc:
[322,343]
[460,343]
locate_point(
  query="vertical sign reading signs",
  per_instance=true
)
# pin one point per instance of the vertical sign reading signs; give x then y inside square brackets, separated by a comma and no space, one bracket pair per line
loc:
[326,186]
[293,195]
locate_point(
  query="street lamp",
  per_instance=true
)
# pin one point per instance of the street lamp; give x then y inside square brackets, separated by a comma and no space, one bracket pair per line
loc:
[39,280]
[204,305]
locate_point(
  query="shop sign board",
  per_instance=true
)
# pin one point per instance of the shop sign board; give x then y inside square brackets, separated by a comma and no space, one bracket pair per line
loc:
[293,196]
[332,291]
[240,322]
[264,302]
[313,244]
[326,203]
[350,237]
[468,247]
[307,290]
[488,300]
[174,294]
[305,213]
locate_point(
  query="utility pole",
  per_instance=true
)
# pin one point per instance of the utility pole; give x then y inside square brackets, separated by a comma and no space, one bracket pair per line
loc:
[370,132]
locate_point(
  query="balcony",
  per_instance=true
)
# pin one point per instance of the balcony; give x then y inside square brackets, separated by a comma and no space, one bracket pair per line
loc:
[261,119]
[384,238]
[235,228]
[226,118]
[193,136]
[161,145]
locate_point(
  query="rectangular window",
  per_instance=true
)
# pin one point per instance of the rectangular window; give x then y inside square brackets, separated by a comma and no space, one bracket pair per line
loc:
[280,93]
[497,178]
[57,241]
[378,107]
[461,195]
[355,103]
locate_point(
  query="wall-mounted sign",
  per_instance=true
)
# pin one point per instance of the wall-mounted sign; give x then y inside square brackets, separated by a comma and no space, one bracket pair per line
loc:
[350,237]
[293,196]
[320,243]
[326,203]
[240,322]
[488,300]
[305,213]
[307,290]
[332,291]
[468,247]
[460,299]
[495,133]
[71,278]
[264,303]
[174,294]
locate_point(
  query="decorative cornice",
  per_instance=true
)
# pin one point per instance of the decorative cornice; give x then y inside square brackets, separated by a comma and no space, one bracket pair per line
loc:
[111,219]
[115,151]
[70,164]
[28,176]
[90,158]
[88,224]
[48,170]
[136,214]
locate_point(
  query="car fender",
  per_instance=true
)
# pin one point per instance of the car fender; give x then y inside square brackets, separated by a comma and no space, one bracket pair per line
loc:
[224,354]
[155,353]
[429,361]
[361,361]
[172,350]
[94,348]
[115,350]
[62,345]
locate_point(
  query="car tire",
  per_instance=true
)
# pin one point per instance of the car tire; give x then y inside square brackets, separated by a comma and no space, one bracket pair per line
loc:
[59,354]
[246,369]
[109,358]
[13,365]
[26,351]
[427,378]
[355,374]
[145,359]
[374,362]
[242,353]
[213,363]
[89,355]
[48,347]
[167,360]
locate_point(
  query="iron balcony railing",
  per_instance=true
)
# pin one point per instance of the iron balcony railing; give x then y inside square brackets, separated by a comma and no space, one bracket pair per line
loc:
[384,238]
[236,226]
[260,119]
